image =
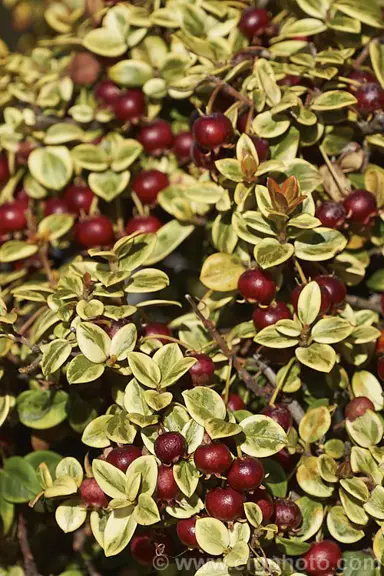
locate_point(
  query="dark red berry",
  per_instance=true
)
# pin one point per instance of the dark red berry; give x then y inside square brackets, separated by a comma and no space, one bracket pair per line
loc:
[167,489]
[12,217]
[91,494]
[214,458]
[253,22]
[156,137]
[264,500]
[285,459]
[148,183]
[129,105]
[242,120]
[246,474]
[370,97]
[202,372]
[323,558]
[149,544]
[262,148]
[263,317]
[212,131]
[290,80]
[325,304]
[55,206]
[360,206]
[123,456]
[335,287]
[358,407]
[362,76]
[170,447]
[225,504]
[155,329]
[380,367]
[235,402]
[4,169]
[97,231]
[186,531]
[143,224]
[287,515]
[107,92]
[203,158]
[257,285]
[79,198]
[182,146]
[331,214]
[280,414]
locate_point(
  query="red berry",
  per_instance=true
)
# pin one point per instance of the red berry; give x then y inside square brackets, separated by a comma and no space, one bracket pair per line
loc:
[360,206]
[186,531]
[55,206]
[263,317]
[285,459]
[156,137]
[213,458]
[79,198]
[235,402]
[167,489]
[264,500]
[325,304]
[280,414]
[380,367]
[202,372]
[331,214]
[155,329]
[12,217]
[323,558]
[148,183]
[225,504]
[123,456]
[335,288]
[262,148]
[129,105]
[4,169]
[212,131]
[106,91]
[358,407]
[362,76]
[253,21]
[143,224]
[290,80]
[97,231]
[246,474]
[257,285]
[287,515]
[182,146]
[170,447]
[84,69]
[370,97]
[91,494]
[203,158]
[147,545]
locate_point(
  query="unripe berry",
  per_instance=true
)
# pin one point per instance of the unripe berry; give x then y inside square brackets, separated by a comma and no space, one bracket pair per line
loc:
[167,489]
[287,515]
[91,494]
[96,231]
[357,407]
[123,456]
[212,131]
[79,198]
[257,285]
[246,474]
[264,500]
[225,504]
[129,105]
[186,531]
[156,137]
[182,146]
[213,458]
[143,224]
[323,558]
[107,92]
[360,206]
[55,206]
[253,22]
[280,414]
[235,402]
[148,183]
[170,447]
[263,317]
[331,214]
[335,287]
[154,329]
[202,372]
[12,217]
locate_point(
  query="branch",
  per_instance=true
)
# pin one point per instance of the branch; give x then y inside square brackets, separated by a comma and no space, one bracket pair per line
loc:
[296,411]
[229,90]
[243,374]
[29,561]
[372,303]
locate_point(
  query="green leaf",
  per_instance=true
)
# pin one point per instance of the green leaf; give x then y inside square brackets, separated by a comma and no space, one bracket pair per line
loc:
[146,512]
[55,226]
[320,357]
[270,252]
[331,330]
[110,479]
[63,486]
[16,250]
[90,157]
[70,515]
[356,488]
[267,82]
[123,341]
[309,303]
[19,481]
[363,462]
[147,280]
[94,434]
[309,479]
[203,403]
[105,42]
[340,527]
[263,436]
[119,530]
[63,132]
[7,510]
[217,428]
[93,342]
[314,8]
[375,504]
[108,185]
[130,73]
[366,384]
[212,536]
[271,338]
[268,125]
[51,166]
[230,168]
[42,409]
[81,370]
[315,424]
[55,354]
[238,555]
[313,516]
[333,100]
[358,564]
[275,478]
[376,281]
[169,237]
[70,467]
[221,272]
[253,513]
[144,369]
[366,430]
[134,399]
[304,27]
[120,430]
[172,365]
[368,13]
[147,467]
[205,192]
[186,476]
[376,52]
[320,244]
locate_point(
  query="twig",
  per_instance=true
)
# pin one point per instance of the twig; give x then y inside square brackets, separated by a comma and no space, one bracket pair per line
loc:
[29,561]
[243,374]
[29,322]
[300,271]
[43,253]
[332,171]
[365,303]
[229,90]
[296,411]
